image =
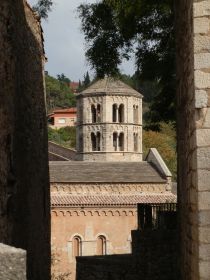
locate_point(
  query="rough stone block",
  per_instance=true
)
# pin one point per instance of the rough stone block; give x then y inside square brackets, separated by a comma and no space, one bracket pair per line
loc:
[201,25]
[12,263]
[202,60]
[204,200]
[203,137]
[201,99]
[201,43]
[204,270]
[204,252]
[206,122]
[203,157]
[204,235]
[202,79]
[203,176]
[202,9]
[204,218]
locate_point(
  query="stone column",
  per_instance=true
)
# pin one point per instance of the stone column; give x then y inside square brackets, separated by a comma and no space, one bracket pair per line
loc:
[193,72]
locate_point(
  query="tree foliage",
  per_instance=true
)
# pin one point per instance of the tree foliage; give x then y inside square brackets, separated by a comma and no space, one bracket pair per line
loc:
[43,7]
[65,136]
[115,28]
[58,93]
[165,142]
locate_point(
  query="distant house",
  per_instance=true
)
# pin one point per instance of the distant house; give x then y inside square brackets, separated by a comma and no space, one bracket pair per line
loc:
[74,86]
[63,117]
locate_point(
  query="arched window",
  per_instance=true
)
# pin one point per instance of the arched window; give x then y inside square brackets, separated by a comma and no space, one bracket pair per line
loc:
[77,246]
[93,113]
[121,113]
[134,113]
[93,141]
[115,141]
[121,141]
[114,112]
[101,245]
[98,113]
[98,141]
[135,141]
[137,114]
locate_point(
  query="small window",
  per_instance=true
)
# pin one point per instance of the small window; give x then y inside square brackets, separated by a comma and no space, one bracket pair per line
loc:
[101,245]
[93,113]
[121,141]
[115,141]
[98,113]
[61,121]
[77,246]
[93,141]
[114,112]
[98,141]
[121,113]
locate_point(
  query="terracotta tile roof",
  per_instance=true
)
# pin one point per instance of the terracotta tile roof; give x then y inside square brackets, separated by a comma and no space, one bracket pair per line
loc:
[67,110]
[85,200]
[104,172]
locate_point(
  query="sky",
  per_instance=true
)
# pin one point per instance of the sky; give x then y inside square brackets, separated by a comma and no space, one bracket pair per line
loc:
[65,44]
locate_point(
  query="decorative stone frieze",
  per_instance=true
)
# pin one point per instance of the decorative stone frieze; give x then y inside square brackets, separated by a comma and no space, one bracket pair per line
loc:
[97,188]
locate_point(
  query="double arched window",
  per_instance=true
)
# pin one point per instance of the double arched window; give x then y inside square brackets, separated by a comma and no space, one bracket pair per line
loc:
[96,113]
[118,114]
[77,246]
[101,245]
[118,141]
[96,141]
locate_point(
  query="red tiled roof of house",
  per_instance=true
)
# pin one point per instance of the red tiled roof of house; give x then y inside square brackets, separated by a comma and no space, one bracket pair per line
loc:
[67,110]
[110,200]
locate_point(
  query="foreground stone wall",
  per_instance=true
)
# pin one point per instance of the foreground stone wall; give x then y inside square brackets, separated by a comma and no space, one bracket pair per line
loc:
[154,257]
[13,263]
[24,190]
[193,67]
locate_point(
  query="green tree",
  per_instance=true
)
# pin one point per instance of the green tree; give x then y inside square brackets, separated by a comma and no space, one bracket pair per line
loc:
[115,28]
[86,81]
[58,94]
[165,142]
[63,78]
[65,136]
[43,7]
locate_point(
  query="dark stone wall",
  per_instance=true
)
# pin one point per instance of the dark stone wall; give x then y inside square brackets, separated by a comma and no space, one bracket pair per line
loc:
[156,253]
[24,181]
[154,257]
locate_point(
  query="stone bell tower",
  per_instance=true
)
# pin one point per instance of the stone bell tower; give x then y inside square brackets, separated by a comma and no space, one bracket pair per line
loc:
[109,122]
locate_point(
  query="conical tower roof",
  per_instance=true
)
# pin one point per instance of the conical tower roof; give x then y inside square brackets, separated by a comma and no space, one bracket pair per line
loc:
[110,86]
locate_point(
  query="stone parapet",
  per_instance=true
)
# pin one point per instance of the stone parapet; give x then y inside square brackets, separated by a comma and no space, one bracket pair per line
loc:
[12,263]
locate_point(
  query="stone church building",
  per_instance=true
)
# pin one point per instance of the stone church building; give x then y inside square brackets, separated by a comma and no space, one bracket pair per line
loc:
[94,197]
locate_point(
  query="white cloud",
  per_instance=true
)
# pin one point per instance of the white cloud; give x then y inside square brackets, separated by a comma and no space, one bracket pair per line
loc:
[64,41]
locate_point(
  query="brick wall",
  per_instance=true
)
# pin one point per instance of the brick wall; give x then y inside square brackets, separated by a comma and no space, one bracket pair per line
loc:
[24,188]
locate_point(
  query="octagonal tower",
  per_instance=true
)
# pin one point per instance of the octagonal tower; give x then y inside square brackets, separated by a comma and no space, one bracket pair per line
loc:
[109,122]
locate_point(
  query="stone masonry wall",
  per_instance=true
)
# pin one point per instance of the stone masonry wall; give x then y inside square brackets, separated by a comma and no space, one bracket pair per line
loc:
[24,187]
[193,71]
